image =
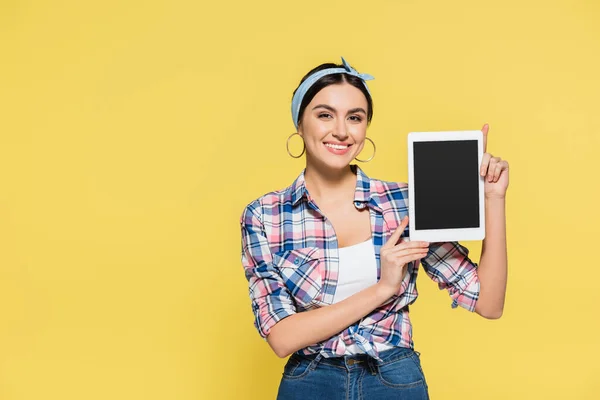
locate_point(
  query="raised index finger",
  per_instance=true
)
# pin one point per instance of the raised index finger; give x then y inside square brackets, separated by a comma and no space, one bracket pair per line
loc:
[485,131]
[397,233]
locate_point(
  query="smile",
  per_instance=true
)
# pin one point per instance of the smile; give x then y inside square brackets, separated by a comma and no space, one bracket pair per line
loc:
[337,148]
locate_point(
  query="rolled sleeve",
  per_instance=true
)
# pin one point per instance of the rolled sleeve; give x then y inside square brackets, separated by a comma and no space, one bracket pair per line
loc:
[271,300]
[448,264]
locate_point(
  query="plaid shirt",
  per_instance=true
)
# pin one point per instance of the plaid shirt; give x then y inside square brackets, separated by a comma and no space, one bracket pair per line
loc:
[290,258]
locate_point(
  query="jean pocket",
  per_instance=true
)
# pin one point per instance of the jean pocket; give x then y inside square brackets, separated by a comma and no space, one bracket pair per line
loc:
[302,271]
[296,368]
[401,373]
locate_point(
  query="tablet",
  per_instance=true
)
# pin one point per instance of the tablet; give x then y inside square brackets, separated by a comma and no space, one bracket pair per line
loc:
[445,189]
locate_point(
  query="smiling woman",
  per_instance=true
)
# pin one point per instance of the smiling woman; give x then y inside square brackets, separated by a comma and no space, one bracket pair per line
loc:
[336,123]
[331,271]
[340,109]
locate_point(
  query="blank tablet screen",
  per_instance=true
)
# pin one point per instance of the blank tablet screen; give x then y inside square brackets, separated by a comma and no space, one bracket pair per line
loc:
[446,180]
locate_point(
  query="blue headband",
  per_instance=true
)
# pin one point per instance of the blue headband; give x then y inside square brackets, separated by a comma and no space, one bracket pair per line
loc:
[308,82]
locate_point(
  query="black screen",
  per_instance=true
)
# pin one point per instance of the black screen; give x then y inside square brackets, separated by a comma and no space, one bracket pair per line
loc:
[446,184]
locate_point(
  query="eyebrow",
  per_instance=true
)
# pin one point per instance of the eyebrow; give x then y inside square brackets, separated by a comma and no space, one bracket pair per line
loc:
[351,111]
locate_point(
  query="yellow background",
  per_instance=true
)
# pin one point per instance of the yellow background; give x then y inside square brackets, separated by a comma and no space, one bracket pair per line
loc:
[132,134]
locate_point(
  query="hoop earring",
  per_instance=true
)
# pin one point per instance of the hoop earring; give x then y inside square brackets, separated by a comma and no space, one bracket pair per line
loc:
[287,145]
[374,150]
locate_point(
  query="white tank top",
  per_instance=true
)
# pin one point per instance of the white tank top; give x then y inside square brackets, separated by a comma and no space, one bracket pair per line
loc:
[357,271]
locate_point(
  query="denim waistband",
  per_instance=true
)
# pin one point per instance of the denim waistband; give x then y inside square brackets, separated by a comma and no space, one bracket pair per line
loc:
[386,356]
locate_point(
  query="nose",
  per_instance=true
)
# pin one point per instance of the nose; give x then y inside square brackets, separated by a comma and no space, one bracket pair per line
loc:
[339,131]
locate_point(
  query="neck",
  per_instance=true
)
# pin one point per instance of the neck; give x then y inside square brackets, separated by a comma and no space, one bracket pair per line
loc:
[330,185]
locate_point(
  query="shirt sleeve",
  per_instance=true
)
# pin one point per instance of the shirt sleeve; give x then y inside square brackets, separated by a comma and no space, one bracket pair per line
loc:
[271,300]
[448,264]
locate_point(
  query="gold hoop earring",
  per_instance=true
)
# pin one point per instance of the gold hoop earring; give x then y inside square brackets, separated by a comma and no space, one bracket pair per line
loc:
[287,145]
[374,150]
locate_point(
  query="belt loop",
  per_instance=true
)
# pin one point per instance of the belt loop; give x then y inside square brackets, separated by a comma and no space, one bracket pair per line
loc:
[372,365]
[315,362]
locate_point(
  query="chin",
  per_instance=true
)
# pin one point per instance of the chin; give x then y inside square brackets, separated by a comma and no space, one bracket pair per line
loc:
[332,161]
[336,164]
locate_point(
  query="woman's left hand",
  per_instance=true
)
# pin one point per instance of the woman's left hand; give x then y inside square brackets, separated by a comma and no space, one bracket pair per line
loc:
[495,171]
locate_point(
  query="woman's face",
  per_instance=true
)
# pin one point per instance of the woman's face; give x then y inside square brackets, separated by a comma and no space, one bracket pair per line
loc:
[334,126]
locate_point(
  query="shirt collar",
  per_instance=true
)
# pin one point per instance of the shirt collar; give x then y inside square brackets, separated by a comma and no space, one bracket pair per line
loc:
[362,193]
[298,189]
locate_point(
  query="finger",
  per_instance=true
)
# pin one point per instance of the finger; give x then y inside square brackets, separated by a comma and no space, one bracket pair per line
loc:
[501,166]
[396,256]
[399,262]
[497,171]
[409,245]
[399,255]
[485,161]
[485,131]
[408,253]
[412,257]
[396,235]
[492,168]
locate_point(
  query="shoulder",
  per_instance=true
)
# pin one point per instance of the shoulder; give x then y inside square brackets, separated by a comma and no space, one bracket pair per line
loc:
[267,203]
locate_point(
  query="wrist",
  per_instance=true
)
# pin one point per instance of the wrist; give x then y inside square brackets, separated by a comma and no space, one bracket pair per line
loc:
[383,291]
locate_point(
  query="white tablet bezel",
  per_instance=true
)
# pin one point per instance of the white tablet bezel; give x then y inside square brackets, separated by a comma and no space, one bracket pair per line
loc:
[445,235]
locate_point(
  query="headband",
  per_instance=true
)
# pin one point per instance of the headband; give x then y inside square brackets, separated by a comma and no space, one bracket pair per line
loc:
[308,82]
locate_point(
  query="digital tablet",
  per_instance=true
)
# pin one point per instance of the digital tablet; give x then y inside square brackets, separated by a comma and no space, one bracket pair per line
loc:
[445,189]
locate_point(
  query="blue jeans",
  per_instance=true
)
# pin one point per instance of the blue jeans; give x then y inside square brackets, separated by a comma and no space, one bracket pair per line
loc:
[398,376]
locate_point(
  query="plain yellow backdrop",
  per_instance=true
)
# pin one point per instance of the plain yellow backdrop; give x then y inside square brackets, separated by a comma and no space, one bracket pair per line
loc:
[132,134]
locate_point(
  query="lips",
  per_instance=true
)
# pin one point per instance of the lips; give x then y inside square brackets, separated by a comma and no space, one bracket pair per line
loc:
[337,148]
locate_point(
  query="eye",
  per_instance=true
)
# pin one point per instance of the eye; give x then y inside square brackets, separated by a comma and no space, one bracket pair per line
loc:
[326,115]
[356,118]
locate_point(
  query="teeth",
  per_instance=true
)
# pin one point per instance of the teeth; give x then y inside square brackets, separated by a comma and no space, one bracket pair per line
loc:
[336,146]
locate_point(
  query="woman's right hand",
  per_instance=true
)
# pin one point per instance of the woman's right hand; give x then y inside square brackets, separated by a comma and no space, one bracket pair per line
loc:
[395,256]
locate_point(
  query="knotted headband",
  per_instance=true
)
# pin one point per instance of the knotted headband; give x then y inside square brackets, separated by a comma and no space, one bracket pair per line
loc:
[308,82]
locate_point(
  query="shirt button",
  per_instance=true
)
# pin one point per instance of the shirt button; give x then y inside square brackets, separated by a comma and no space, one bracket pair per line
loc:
[296,261]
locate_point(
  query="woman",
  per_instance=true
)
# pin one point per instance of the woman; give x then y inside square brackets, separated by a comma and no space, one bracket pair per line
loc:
[330,268]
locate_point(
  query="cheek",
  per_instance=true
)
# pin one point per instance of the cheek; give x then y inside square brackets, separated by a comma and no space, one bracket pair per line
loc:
[315,130]
[358,132]
[360,147]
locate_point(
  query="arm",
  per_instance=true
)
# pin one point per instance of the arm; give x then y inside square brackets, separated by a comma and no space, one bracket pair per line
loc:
[493,263]
[276,318]
[448,264]
[309,327]
[478,288]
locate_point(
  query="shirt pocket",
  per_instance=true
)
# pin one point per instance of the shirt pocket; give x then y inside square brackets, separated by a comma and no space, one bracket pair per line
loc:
[302,271]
